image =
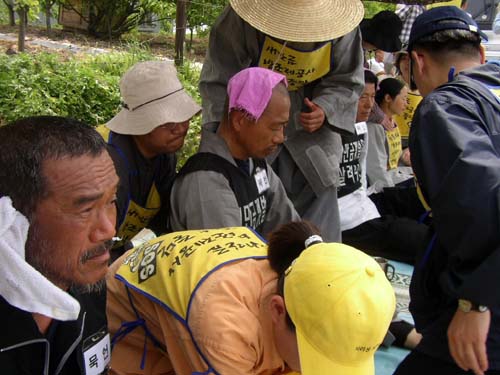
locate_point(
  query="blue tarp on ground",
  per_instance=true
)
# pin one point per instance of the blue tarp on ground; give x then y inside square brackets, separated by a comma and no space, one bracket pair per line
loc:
[387,359]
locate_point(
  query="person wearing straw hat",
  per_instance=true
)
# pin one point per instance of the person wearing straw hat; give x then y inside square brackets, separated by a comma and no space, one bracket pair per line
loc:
[142,140]
[455,152]
[317,46]
[222,301]
[228,182]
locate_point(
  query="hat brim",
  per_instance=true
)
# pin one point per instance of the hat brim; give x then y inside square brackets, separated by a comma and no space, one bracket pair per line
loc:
[313,362]
[175,108]
[319,21]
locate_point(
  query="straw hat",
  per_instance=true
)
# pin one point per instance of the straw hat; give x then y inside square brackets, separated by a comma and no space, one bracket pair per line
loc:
[301,20]
[152,96]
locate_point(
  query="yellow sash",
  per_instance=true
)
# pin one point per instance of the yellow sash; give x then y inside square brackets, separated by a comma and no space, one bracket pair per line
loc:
[496,92]
[169,268]
[394,146]
[299,67]
[103,130]
[137,217]
[445,3]
[404,120]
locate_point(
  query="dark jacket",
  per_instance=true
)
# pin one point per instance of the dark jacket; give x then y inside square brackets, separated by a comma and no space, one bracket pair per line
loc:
[137,175]
[455,152]
[63,349]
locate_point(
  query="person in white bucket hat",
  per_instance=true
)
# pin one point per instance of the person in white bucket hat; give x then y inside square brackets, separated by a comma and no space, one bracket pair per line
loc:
[317,46]
[142,140]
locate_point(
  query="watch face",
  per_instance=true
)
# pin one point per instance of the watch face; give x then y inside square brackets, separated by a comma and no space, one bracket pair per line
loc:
[482,308]
[467,306]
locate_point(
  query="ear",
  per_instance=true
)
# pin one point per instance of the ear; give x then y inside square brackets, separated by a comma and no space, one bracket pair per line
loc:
[237,120]
[387,98]
[278,309]
[482,51]
[418,61]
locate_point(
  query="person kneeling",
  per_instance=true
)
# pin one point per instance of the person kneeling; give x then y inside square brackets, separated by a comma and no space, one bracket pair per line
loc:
[222,301]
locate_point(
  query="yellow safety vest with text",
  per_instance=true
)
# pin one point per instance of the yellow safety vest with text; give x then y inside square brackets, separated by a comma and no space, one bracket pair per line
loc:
[170,268]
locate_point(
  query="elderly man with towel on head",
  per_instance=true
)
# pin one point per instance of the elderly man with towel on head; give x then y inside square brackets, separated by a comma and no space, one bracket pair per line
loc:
[228,182]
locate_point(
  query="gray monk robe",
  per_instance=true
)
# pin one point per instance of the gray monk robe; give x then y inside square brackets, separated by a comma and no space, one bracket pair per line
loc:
[308,164]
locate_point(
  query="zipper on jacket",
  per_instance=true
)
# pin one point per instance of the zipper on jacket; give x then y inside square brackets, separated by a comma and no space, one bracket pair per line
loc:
[30,342]
[71,348]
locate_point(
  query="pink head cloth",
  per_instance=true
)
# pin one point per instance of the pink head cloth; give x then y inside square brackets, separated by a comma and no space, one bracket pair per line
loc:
[251,89]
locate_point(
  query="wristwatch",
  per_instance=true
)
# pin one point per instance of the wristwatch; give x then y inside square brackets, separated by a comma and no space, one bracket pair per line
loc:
[468,306]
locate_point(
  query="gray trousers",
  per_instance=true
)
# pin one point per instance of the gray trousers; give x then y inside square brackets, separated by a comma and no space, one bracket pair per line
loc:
[322,210]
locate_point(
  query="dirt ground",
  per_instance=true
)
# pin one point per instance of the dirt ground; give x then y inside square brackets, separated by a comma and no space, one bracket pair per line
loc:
[159,44]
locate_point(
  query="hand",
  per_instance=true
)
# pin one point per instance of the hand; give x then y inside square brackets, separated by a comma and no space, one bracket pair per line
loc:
[312,121]
[467,335]
[405,157]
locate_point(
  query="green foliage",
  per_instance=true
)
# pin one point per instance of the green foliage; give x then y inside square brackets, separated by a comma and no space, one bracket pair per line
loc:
[4,15]
[189,74]
[82,87]
[373,7]
[85,88]
[204,12]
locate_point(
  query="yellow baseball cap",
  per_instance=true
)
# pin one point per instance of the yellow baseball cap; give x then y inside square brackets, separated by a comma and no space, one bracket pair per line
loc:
[341,304]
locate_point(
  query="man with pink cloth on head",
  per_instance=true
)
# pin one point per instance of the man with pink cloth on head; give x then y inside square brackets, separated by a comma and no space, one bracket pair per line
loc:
[228,182]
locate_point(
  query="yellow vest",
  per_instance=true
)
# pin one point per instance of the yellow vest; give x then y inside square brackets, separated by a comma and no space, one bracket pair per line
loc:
[299,67]
[394,148]
[404,120]
[169,269]
[136,217]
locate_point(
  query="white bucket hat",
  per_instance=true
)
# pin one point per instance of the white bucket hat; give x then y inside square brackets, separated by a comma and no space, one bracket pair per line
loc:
[301,20]
[152,96]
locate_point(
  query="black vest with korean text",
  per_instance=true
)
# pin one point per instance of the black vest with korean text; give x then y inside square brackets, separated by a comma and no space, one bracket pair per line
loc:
[350,167]
[253,205]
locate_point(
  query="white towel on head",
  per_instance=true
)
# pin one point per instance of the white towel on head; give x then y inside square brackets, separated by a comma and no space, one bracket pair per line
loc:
[23,286]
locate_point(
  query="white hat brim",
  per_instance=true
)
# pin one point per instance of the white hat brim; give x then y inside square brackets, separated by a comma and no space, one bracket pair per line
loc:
[175,108]
[300,20]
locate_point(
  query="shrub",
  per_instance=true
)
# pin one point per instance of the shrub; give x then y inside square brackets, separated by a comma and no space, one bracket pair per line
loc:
[83,87]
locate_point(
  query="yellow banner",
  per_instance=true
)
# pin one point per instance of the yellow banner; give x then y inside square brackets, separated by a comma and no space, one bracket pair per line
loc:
[395,150]
[299,67]
[404,120]
[445,3]
[169,268]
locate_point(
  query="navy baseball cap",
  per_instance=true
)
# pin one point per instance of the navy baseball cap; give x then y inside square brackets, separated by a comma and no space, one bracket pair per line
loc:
[429,22]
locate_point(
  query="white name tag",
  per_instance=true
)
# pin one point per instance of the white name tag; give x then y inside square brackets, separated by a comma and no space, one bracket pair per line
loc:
[361,128]
[97,354]
[261,180]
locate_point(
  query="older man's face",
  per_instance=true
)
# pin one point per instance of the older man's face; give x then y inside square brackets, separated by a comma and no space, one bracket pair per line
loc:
[72,226]
[262,138]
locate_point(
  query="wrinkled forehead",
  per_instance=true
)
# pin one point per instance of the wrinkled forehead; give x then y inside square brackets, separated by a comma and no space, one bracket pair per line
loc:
[72,175]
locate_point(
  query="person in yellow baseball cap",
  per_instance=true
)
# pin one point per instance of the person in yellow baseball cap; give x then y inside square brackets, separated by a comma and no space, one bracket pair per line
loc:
[222,301]
[341,305]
